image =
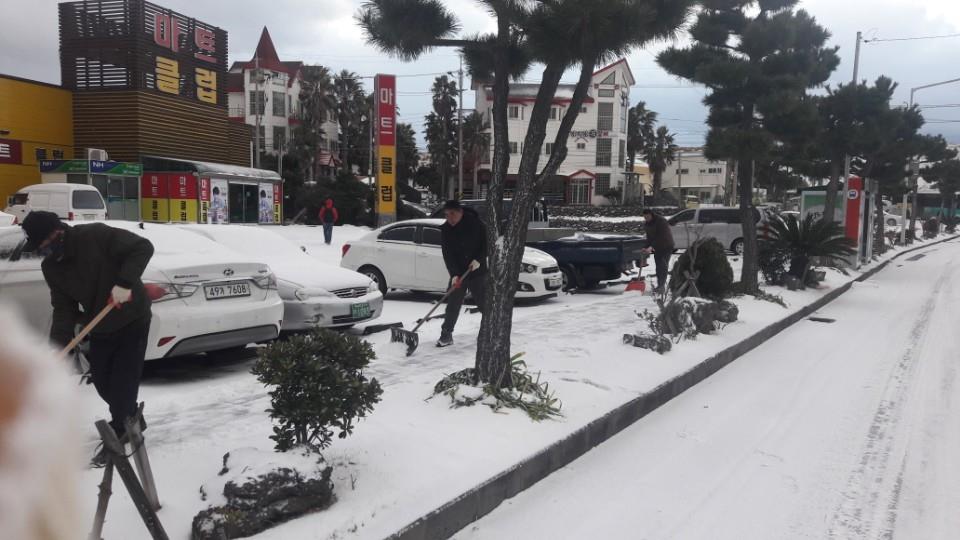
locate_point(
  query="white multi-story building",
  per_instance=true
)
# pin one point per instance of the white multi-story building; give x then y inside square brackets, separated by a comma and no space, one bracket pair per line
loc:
[597,147]
[279,100]
[693,175]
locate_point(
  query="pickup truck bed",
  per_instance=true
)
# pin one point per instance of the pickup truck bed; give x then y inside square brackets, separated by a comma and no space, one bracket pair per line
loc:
[586,260]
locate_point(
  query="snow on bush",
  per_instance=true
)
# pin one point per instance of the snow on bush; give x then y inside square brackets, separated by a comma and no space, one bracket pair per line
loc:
[318,384]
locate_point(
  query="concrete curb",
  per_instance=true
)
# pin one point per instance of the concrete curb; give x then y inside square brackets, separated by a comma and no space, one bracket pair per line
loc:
[484,498]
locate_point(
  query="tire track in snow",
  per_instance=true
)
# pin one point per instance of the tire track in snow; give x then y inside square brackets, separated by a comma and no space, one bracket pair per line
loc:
[868,506]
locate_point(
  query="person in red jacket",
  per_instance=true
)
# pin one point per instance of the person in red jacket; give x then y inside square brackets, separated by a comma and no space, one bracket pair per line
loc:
[328,216]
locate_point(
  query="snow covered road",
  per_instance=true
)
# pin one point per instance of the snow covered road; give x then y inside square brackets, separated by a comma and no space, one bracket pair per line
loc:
[848,429]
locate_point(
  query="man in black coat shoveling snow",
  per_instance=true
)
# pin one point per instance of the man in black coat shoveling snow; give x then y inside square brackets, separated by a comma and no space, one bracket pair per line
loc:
[464,241]
[90,266]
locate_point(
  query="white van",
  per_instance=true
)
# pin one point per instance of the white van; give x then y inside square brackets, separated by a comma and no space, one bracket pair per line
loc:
[723,223]
[72,202]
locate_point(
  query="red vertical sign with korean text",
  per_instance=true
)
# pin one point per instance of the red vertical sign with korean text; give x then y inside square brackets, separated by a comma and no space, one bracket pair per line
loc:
[385,93]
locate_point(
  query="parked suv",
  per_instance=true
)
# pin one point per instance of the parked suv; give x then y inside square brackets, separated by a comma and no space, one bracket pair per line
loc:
[722,223]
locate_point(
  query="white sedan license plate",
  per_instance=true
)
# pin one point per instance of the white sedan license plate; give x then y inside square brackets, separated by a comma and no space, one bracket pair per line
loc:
[230,290]
[360,311]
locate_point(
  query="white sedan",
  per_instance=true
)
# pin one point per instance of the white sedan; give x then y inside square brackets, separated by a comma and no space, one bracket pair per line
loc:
[205,297]
[7,219]
[407,255]
[313,293]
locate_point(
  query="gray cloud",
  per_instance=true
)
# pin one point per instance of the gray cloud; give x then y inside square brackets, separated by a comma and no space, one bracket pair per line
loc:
[324,32]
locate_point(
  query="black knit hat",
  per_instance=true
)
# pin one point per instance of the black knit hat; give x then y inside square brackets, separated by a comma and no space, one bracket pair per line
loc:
[38,225]
[452,205]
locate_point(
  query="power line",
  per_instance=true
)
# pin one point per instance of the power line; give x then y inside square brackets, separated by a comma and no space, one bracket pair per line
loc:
[874,40]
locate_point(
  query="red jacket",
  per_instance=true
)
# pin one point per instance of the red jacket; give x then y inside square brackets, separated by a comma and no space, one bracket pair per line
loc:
[334,214]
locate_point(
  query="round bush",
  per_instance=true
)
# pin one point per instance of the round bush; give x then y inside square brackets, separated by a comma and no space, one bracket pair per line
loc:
[318,384]
[716,276]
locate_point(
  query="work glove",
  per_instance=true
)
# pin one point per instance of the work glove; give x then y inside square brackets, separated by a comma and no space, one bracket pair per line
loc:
[474,265]
[120,295]
[457,282]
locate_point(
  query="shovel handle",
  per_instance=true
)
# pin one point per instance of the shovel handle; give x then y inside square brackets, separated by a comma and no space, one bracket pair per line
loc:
[442,300]
[87,329]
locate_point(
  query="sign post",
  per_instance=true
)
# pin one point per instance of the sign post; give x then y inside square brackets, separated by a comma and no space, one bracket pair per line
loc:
[385,88]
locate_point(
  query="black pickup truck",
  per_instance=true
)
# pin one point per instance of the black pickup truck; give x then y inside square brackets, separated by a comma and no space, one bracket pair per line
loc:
[584,259]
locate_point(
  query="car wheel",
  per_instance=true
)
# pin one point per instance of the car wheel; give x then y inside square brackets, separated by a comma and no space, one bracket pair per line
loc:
[570,280]
[377,276]
[737,246]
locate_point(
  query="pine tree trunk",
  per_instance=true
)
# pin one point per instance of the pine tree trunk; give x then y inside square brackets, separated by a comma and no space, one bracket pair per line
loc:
[830,203]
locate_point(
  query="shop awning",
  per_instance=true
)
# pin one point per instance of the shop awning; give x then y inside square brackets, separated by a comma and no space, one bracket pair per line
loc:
[205,168]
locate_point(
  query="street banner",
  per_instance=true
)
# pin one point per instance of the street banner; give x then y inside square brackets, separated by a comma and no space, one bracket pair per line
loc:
[80,166]
[205,200]
[278,203]
[385,90]
[184,197]
[116,168]
[154,203]
[266,203]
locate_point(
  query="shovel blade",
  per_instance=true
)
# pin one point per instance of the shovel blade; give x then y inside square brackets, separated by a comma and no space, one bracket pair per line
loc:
[412,339]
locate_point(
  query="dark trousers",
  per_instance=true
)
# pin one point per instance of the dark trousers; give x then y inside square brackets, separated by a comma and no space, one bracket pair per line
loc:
[327,232]
[662,260]
[475,284]
[116,364]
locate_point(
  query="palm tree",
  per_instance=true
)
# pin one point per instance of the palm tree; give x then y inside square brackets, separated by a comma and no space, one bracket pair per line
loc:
[808,239]
[659,154]
[640,131]
[476,143]
[441,130]
[351,106]
[317,102]
[559,35]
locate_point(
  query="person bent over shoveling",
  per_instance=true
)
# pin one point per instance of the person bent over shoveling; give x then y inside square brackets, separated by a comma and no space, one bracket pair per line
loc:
[90,266]
[463,239]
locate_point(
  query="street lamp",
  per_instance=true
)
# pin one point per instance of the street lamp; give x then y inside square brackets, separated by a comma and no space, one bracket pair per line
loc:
[915,168]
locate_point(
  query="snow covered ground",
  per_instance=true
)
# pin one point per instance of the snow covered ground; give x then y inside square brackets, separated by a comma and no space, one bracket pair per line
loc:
[410,456]
[843,430]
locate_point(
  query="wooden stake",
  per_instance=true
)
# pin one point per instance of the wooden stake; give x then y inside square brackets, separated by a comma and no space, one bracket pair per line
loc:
[142,461]
[104,499]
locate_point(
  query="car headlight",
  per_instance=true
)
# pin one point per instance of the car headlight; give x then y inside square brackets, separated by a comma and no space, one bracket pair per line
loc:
[304,294]
[373,287]
[266,281]
[529,268]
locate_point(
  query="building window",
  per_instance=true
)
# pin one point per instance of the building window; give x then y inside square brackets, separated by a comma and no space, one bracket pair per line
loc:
[257,107]
[583,110]
[554,113]
[603,183]
[604,116]
[604,152]
[263,138]
[279,138]
[41,153]
[548,148]
[290,105]
[606,93]
[611,79]
[623,118]
[621,157]
[515,112]
[58,154]
[683,171]
[580,191]
[713,170]
[581,146]
[278,104]
[514,148]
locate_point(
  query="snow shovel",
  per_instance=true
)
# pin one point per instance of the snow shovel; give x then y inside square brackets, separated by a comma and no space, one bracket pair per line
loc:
[410,337]
[87,329]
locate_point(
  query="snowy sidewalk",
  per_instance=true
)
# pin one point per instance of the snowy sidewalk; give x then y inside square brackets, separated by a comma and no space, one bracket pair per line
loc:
[412,456]
[843,430]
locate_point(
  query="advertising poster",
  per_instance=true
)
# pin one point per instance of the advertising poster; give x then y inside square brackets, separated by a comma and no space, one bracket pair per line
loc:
[219,202]
[154,204]
[204,200]
[184,195]
[265,203]
[385,88]
[277,204]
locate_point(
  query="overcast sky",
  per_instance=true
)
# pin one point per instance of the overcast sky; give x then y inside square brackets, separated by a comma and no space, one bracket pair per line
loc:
[324,32]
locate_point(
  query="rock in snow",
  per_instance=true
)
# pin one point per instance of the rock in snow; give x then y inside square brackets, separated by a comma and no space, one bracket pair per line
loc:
[258,489]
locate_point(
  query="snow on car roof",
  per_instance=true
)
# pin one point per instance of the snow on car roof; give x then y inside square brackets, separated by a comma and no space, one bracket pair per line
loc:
[176,246]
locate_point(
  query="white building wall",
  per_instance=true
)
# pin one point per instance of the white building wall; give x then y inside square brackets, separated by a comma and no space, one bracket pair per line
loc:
[694,175]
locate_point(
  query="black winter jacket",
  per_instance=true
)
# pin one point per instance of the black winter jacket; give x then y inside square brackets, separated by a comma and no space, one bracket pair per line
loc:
[659,235]
[95,258]
[464,243]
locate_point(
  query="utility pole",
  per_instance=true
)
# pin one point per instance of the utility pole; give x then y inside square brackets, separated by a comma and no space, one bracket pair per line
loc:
[856,74]
[257,104]
[683,202]
[460,133]
[371,118]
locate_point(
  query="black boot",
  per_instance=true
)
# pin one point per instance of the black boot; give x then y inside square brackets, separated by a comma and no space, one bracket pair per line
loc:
[446,339]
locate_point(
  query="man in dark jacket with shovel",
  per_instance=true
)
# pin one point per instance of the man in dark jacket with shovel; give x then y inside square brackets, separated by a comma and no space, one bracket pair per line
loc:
[89,266]
[660,241]
[464,241]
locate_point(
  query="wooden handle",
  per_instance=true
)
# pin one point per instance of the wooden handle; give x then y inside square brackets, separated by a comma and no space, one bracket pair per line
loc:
[443,299]
[88,328]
